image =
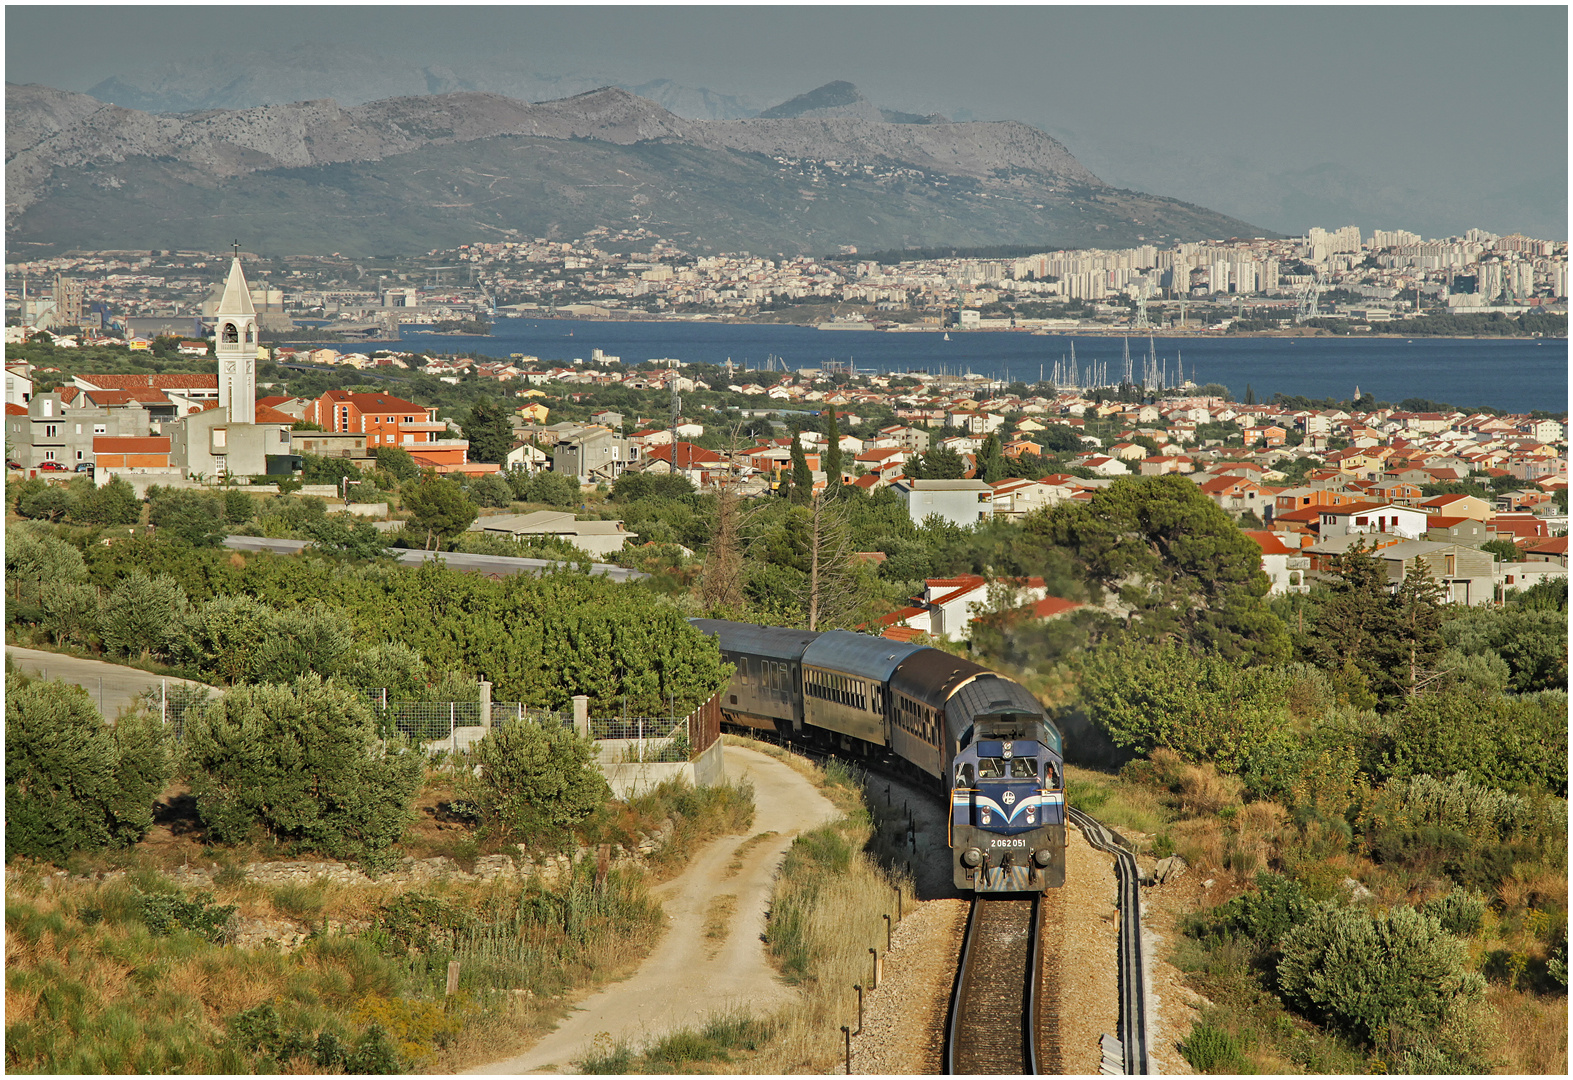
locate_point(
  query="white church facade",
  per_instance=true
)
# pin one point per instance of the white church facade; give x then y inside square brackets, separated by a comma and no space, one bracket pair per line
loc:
[227,438]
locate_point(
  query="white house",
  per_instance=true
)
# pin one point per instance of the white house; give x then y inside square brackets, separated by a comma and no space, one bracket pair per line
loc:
[960,502]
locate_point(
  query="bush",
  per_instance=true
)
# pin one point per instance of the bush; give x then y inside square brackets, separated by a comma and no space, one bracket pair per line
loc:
[1369,975]
[303,763]
[72,783]
[491,490]
[1517,743]
[1200,705]
[1460,912]
[1213,1050]
[1265,915]
[535,781]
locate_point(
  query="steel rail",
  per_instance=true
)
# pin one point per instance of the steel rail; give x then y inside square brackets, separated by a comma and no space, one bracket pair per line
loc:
[1132,962]
[981,976]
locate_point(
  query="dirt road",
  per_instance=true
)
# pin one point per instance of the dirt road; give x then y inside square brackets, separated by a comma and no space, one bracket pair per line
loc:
[689,975]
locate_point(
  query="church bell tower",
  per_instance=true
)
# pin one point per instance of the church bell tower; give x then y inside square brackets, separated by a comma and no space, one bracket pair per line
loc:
[235,343]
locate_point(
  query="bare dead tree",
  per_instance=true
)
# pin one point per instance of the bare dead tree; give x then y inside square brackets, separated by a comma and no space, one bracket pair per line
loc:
[721,585]
[830,592]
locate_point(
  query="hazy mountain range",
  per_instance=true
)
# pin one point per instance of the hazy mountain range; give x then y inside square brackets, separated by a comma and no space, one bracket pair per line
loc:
[407,173]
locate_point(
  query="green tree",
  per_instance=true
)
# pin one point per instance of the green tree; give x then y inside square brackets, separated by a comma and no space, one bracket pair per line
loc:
[113,504]
[71,782]
[390,666]
[224,636]
[397,462]
[302,763]
[991,462]
[832,450]
[1372,636]
[346,535]
[197,517]
[940,463]
[440,508]
[70,612]
[535,781]
[1507,741]
[1197,704]
[491,490]
[321,469]
[1505,550]
[304,640]
[1176,560]
[43,501]
[489,427]
[1378,976]
[1532,642]
[802,476]
[144,615]
[35,558]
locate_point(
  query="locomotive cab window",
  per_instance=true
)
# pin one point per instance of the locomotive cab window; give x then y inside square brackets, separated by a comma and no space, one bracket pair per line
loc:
[991,768]
[1024,768]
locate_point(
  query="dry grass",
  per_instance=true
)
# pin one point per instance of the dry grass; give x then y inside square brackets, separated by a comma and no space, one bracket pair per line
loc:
[1532,1032]
[742,850]
[90,989]
[718,917]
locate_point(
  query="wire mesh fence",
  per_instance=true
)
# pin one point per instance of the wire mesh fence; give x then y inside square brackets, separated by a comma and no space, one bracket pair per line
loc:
[644,738]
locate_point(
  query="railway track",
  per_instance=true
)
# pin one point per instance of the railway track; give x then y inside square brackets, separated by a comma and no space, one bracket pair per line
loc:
[995,1007]
[1132,965]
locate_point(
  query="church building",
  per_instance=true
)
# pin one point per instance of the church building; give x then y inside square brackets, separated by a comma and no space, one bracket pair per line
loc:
[232,435]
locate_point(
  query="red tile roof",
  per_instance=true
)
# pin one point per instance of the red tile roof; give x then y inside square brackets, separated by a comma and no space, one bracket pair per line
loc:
[157,382]
[1268,542]
[131,444]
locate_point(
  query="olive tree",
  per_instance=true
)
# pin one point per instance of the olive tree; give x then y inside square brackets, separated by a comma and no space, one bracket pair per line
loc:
[301,763]
[72,782]
[535,781]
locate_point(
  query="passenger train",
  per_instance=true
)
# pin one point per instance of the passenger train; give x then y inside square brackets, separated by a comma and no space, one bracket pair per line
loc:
[978,738]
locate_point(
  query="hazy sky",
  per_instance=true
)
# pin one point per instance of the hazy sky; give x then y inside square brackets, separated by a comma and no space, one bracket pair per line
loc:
[1450,112]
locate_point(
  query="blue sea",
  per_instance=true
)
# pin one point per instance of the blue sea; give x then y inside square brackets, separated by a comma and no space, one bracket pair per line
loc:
[1515,374]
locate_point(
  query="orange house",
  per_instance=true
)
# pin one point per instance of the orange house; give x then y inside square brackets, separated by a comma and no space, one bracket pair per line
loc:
[384,419]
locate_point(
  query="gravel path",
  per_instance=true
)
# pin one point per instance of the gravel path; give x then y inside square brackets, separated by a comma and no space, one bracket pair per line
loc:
[689,976]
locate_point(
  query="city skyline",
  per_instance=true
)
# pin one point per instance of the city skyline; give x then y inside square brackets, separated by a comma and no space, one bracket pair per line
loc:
[1432,120]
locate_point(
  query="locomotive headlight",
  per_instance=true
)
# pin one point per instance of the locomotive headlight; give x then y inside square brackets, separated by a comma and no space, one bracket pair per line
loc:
[1032,816]
[971,857]
[1043,856]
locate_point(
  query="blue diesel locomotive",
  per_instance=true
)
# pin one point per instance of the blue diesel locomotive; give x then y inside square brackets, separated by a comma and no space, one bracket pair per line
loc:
[977,737]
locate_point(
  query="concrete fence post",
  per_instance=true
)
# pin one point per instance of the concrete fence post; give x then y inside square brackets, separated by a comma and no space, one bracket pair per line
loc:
[485,719]
[581,715]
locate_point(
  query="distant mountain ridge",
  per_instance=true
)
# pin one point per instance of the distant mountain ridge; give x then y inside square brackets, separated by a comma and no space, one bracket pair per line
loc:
[917,181]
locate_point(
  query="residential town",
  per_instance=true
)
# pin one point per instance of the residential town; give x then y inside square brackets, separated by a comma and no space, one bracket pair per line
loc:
[1307,482]
[1343,274]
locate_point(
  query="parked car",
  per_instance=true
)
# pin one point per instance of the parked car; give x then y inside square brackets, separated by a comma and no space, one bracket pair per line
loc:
[12,464]
[52,466]
[84,466]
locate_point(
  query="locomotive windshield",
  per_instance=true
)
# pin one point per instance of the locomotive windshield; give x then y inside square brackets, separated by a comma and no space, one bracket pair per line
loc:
[1016,768]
